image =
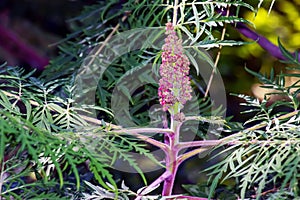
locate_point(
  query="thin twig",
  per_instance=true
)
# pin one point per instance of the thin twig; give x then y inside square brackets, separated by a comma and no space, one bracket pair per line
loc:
[266,192]
[192,153]
[175,12]
[199,143]
[136,132]
[218,56]
[214,119]
[229,140]
[107,39]
[99,122]
[145,130]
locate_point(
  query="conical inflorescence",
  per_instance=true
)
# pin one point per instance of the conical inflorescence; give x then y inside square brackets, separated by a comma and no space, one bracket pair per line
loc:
[174,85]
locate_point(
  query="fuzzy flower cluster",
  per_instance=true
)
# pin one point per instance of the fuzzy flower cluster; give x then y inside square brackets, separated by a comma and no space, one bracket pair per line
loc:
[174,85]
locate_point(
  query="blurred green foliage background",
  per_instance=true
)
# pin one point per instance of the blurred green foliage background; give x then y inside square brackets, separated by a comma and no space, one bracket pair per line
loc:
[283,21]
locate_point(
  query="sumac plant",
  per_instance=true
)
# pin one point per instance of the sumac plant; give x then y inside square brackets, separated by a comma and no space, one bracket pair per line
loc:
[52,147]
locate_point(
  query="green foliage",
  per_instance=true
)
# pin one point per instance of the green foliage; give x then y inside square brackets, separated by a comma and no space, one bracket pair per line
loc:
[291,58]
[44,132]
[22,157]
[199,24]
[109,147]
[265,155]
[125,193]
[101,193]
[40,135]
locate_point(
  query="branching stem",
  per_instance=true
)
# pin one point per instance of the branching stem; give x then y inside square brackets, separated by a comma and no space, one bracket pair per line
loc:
[154,184]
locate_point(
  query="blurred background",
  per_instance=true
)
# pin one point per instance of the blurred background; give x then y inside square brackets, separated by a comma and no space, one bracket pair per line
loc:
[31,29]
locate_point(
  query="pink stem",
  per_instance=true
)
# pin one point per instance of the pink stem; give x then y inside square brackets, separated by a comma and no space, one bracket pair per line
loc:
[153,185]
[172,157]
[136,132]
[191,198]
[144,130]
[172,165]
[201,143]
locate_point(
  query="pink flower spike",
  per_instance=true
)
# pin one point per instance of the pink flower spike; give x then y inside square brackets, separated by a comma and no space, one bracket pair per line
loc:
[174,85]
